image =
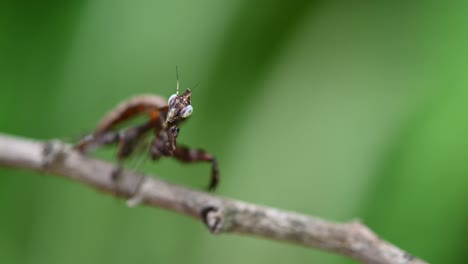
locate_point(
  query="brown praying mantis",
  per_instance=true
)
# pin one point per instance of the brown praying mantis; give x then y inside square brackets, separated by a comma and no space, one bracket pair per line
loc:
[164,119]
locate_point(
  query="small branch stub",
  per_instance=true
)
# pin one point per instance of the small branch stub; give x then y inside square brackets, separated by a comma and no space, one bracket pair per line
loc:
[212,218]
[220,215]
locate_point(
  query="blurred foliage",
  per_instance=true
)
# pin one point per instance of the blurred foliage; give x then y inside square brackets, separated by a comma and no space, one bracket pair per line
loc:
[347,110]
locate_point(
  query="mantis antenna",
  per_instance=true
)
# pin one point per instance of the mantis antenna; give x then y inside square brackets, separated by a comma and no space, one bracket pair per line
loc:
[177,77]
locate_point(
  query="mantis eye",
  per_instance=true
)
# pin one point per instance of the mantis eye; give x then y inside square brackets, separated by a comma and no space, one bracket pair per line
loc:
[171,99]
[187,111]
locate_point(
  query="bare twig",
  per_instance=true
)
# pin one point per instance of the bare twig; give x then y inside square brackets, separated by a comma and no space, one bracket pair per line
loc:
[219,214]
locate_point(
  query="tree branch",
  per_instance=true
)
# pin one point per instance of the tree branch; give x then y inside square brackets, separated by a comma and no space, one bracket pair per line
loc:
[220,215]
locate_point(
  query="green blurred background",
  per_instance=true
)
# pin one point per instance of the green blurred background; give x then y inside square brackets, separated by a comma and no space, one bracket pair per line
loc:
[340,110]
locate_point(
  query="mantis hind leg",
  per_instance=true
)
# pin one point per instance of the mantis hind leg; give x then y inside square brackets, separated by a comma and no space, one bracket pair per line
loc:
[126,139]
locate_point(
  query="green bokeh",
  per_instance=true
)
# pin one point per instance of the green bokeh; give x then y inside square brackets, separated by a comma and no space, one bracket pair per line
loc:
[339,110]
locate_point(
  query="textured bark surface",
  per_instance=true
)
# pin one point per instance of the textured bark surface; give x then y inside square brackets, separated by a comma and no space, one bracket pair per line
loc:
[220,215]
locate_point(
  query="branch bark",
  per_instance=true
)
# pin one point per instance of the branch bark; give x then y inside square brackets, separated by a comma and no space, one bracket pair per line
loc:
[220,215]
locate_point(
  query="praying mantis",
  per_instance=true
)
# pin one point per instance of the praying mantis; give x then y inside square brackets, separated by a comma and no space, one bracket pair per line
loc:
[164,118]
